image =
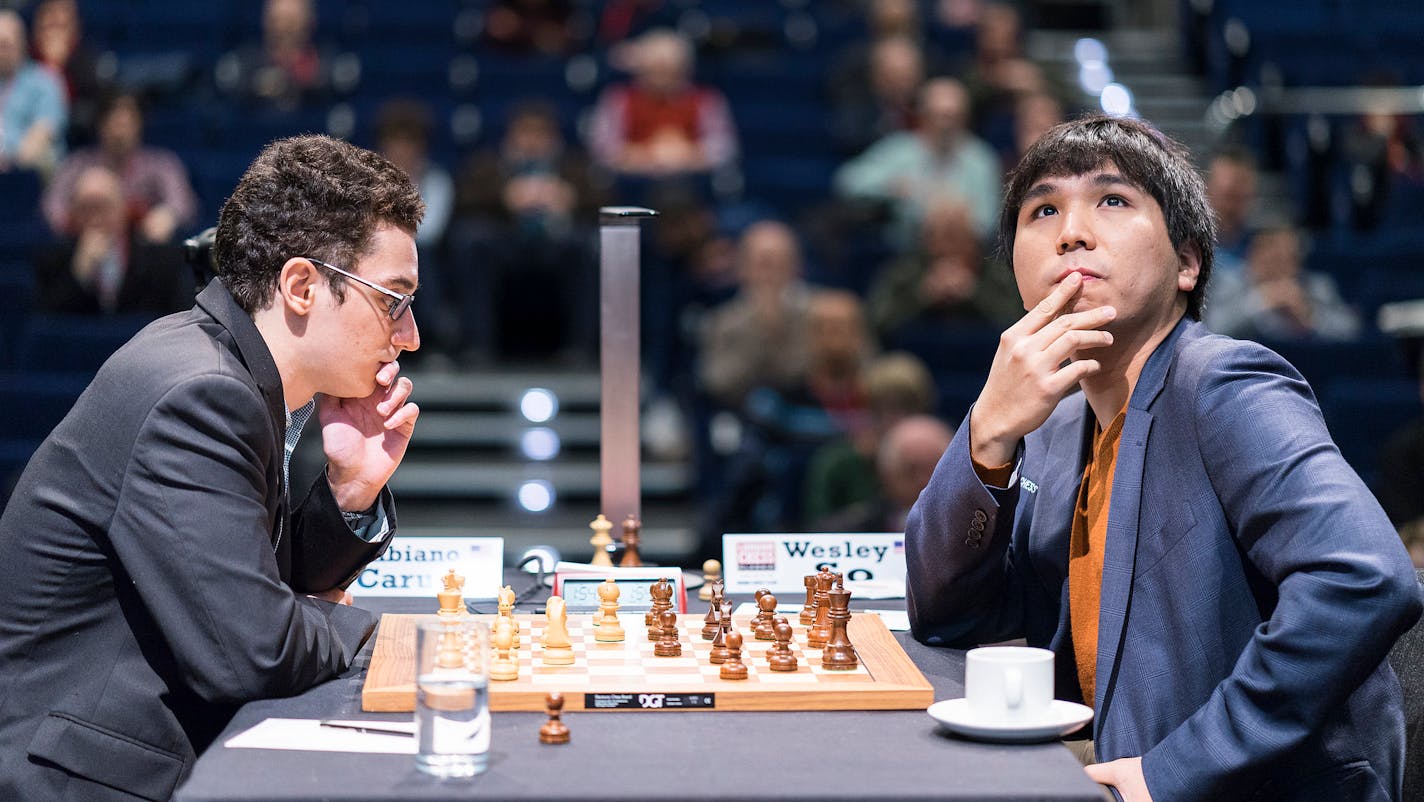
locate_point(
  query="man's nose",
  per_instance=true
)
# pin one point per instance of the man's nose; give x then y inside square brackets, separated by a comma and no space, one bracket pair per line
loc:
[1075,233]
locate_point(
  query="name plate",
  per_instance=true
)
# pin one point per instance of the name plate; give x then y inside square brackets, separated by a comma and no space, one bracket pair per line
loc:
[778,562]
[413,566]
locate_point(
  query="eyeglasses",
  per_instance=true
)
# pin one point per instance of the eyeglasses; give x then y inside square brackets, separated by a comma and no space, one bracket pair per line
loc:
[399,301]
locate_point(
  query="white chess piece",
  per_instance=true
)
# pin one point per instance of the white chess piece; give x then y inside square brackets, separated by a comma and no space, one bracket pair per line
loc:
[609,630]
[503,667]
[558,650]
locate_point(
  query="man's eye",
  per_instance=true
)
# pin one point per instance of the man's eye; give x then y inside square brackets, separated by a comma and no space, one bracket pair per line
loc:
[1115,200]
[1044,211]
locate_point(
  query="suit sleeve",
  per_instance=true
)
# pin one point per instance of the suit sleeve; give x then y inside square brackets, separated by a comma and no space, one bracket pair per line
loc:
[193,533]
[1344,586]
[325,552]
[963,583]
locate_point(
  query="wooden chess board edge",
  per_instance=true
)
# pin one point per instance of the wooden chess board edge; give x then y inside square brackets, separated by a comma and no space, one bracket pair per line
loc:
[895,683]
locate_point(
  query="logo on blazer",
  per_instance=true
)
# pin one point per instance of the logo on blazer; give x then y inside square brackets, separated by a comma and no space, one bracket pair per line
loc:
[1028,484]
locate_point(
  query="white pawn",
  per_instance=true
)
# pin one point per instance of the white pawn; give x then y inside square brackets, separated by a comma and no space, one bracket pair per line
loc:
[609,630]
[503,667]
[558,650]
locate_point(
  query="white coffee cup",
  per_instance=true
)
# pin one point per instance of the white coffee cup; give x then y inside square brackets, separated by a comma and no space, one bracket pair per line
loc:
[1008,683]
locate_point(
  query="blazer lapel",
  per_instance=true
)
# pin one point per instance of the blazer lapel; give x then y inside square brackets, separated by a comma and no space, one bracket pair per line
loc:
[1120,552]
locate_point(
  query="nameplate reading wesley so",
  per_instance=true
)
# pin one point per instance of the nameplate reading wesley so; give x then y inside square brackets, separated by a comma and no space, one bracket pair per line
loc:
[413,566]
[778,561]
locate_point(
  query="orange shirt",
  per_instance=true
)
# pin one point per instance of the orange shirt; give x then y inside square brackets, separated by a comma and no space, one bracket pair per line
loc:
[1085,551]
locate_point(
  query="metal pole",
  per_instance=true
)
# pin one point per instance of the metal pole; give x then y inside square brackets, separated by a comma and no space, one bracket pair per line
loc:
[620,481]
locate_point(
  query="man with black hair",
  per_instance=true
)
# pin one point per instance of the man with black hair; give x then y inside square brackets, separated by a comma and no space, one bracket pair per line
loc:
[1215,580]
[160,572]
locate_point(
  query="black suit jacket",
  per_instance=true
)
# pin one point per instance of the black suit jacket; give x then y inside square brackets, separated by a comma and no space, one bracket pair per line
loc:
[154,575]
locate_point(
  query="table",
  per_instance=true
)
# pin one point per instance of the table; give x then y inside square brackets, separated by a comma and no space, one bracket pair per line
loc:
[861,755]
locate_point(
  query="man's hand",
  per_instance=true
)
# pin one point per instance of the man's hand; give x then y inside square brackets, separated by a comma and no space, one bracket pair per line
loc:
[1028,378]
[1125,775]
[365,438]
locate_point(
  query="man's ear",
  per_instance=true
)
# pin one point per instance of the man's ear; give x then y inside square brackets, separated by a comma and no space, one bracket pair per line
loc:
[297,286]
[1189,260]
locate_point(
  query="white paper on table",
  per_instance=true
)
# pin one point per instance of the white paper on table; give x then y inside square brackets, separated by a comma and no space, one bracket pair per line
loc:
[895,620]
[308,735]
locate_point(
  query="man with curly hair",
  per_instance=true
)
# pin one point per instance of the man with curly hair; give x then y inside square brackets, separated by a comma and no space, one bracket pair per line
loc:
[160,572]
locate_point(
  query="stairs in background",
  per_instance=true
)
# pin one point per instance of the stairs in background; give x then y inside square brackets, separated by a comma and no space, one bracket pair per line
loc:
[465,466]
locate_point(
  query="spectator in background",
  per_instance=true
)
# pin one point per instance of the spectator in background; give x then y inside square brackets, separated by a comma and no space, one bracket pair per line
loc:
[758,338]
[842,474]
[1382,151]
[1277,298]
[1034,114]
[1000,74]
[945,280]
[882,99]
[34,114]
[101,269]
[403,130]
[286,70]
[662,124]
[158,197]
[1231,186]
[523,216]
[525,27]
[58,43]
[939,160]
[786,427]
[903,466]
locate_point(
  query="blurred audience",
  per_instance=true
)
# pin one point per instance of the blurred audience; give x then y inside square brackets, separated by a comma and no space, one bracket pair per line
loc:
[158,196]
[403,130]
[759,337]
[286,70]
[1231,186]
[525,27]
[1034,114]
[1382,150]
[903,466]
[878,98]
[1277,298]
[1001,73]
[662,123]
[842,472]
[524,215]
[939,160]
[101,269]
[35,112]
[58,43]
[945,280]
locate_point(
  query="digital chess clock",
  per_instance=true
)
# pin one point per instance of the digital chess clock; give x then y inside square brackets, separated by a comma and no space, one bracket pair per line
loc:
[579,588]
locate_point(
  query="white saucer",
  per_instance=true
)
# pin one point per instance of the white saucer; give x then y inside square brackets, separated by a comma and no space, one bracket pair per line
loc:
[1061,718]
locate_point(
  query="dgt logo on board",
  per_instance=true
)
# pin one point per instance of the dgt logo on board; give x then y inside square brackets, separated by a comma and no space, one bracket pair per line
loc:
[756,556]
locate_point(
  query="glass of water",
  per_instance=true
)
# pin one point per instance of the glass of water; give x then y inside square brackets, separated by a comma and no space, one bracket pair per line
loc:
[452,720]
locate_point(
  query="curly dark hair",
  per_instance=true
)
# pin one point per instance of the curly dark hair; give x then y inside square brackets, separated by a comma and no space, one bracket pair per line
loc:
[307,196]
[1149,159]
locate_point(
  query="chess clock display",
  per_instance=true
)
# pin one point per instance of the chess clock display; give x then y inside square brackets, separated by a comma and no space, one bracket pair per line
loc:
[579,589]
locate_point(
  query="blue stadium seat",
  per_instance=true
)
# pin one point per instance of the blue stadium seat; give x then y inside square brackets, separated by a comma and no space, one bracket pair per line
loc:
[74,344]
[1362,413]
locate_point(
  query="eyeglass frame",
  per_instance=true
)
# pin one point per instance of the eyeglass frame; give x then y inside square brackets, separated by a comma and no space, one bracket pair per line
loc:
[398,306]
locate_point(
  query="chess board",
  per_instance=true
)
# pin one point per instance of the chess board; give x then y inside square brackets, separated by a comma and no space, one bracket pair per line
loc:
[628,676]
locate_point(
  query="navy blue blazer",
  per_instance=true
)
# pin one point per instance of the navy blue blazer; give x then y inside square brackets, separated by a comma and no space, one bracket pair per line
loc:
[1252,586]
